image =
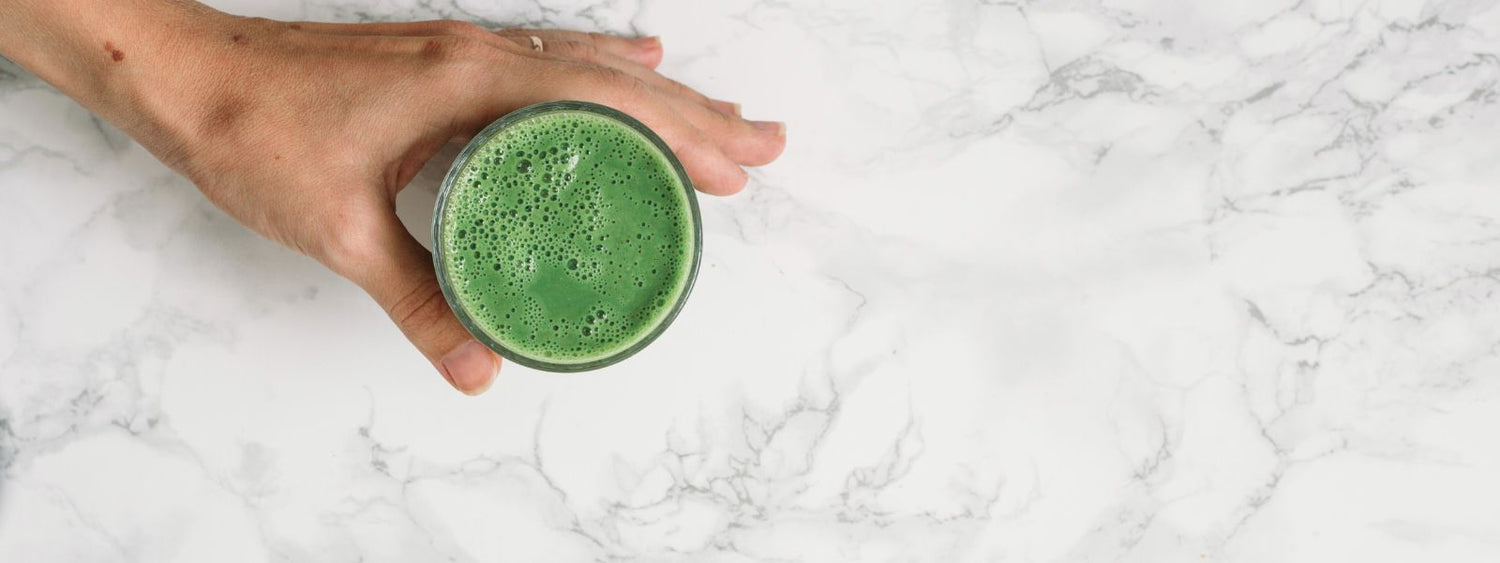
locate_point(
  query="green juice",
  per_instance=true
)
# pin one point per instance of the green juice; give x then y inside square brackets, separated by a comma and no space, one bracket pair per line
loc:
[567,237]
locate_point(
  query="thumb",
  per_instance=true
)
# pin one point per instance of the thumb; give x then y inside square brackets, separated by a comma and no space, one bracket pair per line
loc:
[398,273]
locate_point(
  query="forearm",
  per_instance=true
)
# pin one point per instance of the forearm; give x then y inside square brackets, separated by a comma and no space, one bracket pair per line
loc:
[108,55]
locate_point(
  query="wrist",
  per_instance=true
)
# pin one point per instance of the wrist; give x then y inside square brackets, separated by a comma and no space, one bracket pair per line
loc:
[120,59]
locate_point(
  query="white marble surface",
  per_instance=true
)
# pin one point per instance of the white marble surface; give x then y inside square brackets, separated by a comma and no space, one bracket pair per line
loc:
[1130,280]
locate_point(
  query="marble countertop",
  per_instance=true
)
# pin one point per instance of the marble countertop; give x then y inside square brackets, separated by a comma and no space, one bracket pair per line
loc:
[1130,280]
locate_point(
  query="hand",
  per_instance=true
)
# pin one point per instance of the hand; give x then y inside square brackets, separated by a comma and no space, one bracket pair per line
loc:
[306,131]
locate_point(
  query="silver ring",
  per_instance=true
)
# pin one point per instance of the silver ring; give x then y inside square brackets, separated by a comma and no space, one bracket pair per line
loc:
[536,43]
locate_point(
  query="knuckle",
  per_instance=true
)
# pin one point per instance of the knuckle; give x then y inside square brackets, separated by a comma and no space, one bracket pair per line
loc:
[633,91]
[419,308]
[584,51]
[610,77]
[725,122]
[684,90]
[456,59]
[460,47]
[621,86]
[346,242]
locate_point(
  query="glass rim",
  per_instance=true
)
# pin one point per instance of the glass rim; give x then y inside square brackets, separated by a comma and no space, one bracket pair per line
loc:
[439,262]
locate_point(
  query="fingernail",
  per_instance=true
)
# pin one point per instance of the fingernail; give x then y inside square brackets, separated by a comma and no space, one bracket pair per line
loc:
[647,42]
[777,127]
[470,367]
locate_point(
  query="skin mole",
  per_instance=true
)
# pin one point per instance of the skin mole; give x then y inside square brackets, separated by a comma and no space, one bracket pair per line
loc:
[114,53]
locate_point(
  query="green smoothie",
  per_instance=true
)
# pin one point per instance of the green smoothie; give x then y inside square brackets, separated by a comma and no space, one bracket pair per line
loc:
[567,238]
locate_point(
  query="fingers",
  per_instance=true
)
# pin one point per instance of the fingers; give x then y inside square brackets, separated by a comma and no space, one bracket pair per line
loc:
[710,138]
[711,170]
[643,51]
[750,143]
[588,52]
[702,153]
[719,123]
[397,272]
[745,142]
